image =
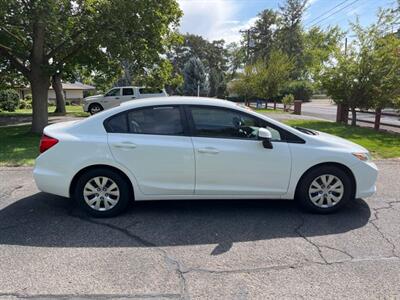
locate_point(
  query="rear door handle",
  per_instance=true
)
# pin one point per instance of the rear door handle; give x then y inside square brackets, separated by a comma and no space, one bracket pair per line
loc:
[125,145]
[209,150]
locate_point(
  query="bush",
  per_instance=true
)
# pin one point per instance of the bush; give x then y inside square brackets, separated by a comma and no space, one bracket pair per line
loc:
[287,101]
[301,90]
[22,104]
[9,100]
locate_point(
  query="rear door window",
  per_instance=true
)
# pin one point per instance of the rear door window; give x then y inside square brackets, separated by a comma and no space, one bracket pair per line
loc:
[162,120]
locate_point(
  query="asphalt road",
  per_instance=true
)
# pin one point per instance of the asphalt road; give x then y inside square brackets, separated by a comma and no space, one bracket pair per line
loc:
[198,249]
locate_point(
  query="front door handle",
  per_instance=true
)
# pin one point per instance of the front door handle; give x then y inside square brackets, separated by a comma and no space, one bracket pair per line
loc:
[209,150]
[125,145]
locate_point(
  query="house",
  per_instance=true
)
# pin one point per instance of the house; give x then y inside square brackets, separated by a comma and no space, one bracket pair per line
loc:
[73,92]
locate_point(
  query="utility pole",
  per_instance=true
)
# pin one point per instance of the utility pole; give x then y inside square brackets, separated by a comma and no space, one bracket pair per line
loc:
[198,88]
[247,32]
[345,46]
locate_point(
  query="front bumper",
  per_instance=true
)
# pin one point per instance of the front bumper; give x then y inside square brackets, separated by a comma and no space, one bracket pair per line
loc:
[85,107]
[366,174]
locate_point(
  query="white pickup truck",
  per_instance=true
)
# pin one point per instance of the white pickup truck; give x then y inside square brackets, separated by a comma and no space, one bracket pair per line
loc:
[117,95]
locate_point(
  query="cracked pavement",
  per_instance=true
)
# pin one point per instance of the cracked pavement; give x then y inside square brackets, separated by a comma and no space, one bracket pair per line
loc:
[198,249]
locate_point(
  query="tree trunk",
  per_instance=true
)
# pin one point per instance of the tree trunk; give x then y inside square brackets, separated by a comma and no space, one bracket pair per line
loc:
[40,89]
[38,77]
[378,113]
[274,104]
[60,101]
[353,116]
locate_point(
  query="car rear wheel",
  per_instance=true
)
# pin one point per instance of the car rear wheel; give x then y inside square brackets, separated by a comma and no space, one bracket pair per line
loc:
[325,189]
[102,192]
[95,108]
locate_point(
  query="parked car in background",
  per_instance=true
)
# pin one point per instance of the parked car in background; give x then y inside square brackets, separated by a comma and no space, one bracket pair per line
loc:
[117,95]
[197,148]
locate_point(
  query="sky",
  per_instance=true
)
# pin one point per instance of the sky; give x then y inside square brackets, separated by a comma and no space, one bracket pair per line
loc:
[222,19]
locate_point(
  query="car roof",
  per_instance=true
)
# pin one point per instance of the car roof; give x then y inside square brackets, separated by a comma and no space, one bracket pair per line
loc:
[176,100]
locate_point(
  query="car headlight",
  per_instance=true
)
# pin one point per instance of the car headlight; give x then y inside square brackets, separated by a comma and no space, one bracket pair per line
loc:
[363,156]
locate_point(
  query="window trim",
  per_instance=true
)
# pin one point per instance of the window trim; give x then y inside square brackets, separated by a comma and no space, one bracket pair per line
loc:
[126,112]
[281,131]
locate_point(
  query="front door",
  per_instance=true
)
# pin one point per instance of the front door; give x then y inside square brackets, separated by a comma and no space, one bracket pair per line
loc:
[112,98]
[151,143]
[229,158]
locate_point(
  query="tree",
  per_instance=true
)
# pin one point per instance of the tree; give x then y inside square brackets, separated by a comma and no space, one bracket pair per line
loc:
[345,82]
[37,38]
[262,34]
[319,44]
[290,34]
[272,74]
[159,76]
[194,78]
[380,55]
[368,75]
[213,55]
[245,85]
[217,83]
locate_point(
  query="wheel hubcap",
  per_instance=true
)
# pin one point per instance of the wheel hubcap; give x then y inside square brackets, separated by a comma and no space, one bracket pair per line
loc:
[95,109]
[101,193]
[326,191]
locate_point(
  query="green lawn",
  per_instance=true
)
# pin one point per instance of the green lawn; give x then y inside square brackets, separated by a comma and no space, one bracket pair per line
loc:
[19,147]
[72,110]
[380,144]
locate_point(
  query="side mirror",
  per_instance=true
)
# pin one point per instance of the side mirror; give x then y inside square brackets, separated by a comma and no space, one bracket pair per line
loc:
[265,135]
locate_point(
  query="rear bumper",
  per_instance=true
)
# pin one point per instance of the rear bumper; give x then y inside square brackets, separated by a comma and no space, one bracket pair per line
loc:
[50,181]
[366,174]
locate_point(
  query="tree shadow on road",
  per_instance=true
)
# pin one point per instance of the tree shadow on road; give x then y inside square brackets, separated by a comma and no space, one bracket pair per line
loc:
[44,220]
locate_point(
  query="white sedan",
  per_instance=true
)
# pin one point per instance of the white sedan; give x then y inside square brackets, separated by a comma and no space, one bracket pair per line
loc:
[197,148]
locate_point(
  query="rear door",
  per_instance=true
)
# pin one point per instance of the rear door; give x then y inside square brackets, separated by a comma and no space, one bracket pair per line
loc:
[127,94]
[230,160]
[152,143]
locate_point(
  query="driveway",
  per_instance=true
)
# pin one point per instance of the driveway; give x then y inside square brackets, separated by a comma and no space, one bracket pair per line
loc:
[198,249]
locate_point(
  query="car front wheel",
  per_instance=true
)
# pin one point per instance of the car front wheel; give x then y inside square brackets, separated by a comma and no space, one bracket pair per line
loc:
[95,108]
[102,192]
[325,189]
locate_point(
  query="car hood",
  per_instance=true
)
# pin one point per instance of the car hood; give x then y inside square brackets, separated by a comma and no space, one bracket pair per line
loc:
[92,98]
[335,141]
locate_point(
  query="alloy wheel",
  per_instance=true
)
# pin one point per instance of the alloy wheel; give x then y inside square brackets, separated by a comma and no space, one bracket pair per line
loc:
[326,191]
[101,193]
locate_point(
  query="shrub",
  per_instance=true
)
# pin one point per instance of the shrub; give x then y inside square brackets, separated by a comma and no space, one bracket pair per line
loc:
[301,90]
[287,101]
[9,100]
[22,104]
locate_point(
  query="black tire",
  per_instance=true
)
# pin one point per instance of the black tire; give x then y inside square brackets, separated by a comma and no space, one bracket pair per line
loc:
[302,193]
[124,188]
[95,108]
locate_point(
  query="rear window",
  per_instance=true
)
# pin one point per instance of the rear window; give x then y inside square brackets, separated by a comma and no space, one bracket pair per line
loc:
[150,91]
[117,124]
[127,92]
[158,120]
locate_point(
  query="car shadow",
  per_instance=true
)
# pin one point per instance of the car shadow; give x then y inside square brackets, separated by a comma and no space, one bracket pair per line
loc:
[45,220]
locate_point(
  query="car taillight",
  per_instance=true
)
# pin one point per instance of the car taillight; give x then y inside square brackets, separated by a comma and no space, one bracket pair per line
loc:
[46,142]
